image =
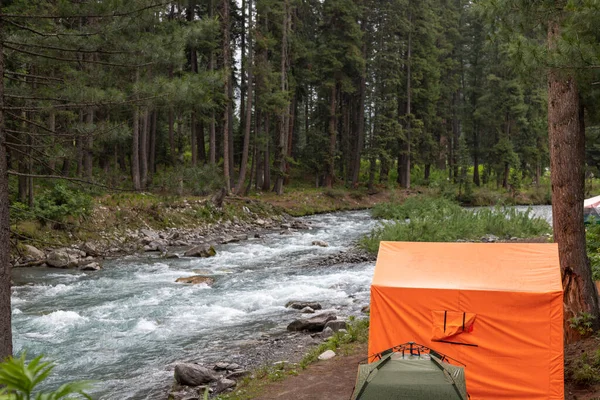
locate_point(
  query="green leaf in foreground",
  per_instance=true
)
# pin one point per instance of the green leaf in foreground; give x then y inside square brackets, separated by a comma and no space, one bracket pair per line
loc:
[20,379]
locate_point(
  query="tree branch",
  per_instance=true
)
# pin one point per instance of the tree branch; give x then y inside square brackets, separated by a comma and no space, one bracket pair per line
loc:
[115,14]
[77,60]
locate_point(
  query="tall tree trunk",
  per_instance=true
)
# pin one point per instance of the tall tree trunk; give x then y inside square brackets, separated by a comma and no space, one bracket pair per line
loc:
[267,159]
[152,153]
[52,128]
[193,139]
[135,150]
[248,108]
[200,141]
[80,148]
[5,310]
[329,177]
[404,160]
[88,154]
[360,129]
[283,122]
[476,179]
[290,138]
[143,149]
[226,121]
[567,164]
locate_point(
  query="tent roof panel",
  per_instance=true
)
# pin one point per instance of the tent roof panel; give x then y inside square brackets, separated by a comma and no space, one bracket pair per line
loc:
[511,267]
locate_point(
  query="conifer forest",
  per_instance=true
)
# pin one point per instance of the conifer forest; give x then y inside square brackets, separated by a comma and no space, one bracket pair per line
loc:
[147,126]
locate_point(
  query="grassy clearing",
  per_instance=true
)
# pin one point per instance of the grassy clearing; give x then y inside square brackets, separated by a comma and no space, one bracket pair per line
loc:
[343,343]
[428,219]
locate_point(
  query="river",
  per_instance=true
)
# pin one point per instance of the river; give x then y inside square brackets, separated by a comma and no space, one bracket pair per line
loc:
[123,325]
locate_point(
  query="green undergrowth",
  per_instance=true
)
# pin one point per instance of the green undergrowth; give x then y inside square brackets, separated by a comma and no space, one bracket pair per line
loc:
[343,343]
[585,371]
[429,219]
[592,235]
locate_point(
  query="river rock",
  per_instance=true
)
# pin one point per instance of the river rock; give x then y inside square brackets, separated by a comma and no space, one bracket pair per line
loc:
[237,374]
[90,249]
[489,239]
[329,354]
[179,392]
[221,366]
[336,325]
[59,259]
[227,239]
[314,324]
[193,374]
[150,234]
[203,250]
[93,266]
[299,305]
[300,225]
[307,310]
[33,253]
[320,243]
[366,309]
[196,280]
[327,333]
[224,384]
[170,256]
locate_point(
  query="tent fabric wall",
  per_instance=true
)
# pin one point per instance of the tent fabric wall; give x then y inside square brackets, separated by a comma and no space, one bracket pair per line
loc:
[514,347]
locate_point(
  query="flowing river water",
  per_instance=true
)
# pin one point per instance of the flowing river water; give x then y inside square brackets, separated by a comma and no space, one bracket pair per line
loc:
[122,326]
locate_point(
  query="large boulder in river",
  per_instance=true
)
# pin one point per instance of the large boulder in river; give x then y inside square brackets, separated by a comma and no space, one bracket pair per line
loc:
[204,250]
[193,374]
[33,253]
[196,280]
[314,324]
[300,305]
[320,243]
[59,259]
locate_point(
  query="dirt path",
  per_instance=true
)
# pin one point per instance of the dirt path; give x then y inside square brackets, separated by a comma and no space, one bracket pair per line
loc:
[332,380]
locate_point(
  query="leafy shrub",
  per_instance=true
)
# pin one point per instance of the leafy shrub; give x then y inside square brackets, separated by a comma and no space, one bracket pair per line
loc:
[582,323]
[19,381]
[592,236]
[426,219]
[61,202]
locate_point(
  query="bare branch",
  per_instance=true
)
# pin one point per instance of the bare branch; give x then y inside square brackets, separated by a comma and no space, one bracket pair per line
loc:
[66,178]
[77,60]
[115,14]
[96,51]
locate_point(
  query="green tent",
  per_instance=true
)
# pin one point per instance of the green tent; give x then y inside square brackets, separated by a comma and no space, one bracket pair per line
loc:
[412,372]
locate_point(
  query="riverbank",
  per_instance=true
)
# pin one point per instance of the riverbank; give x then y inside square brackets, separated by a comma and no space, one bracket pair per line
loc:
[118,224]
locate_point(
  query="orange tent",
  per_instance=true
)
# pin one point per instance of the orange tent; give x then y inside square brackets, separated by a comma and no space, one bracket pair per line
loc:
[498,308]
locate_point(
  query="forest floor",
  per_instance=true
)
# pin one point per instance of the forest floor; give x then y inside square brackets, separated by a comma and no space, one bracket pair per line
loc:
[334,379]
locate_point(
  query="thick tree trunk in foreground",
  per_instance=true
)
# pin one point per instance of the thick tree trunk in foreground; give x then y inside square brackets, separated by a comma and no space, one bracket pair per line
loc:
[567,158]
[5,311]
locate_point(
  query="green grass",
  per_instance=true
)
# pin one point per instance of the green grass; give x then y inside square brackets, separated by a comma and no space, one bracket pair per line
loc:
[429,219]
